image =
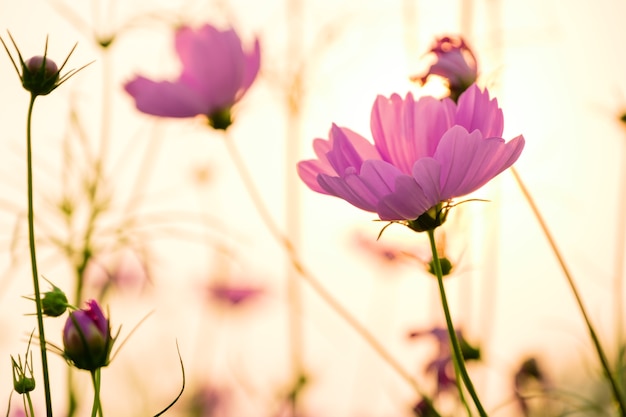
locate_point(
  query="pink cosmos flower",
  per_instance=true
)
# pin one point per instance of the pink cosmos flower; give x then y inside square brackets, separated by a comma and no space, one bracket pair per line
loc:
[216,74]
[454,61]
[425,153]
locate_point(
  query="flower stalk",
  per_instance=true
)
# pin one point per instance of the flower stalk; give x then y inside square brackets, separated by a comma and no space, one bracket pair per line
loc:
[33,257]
[305,274]
[457,354]
[617,393]
[96,409]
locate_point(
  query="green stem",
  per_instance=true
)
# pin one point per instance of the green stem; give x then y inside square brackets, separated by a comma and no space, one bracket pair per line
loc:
[617,394]
[457,354]
[33,258]
[96,409]
[30,405]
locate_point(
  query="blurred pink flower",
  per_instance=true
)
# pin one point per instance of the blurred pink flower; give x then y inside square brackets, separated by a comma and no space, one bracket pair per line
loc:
[388,254]
[425,153]
[216,73]
[454,61]
[233,294]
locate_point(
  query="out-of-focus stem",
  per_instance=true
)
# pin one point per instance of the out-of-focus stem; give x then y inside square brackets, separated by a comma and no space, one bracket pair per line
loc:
[620,245]
[617,394]
[292,201]
[308,276]
[33,257]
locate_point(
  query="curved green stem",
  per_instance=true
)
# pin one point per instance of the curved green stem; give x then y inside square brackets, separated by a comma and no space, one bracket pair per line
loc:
[617,394]
[457,354]
[33,257]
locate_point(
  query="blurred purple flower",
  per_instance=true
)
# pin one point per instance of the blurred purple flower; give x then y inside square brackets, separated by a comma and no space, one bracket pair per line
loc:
[234,294]
[425,153]
[441,365]
[208,402]
[87,338]
[216,74]
[455,62]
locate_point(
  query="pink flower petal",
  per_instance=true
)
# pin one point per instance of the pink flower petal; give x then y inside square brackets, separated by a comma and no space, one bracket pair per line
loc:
[477,111]
[251,67]
[348,150]
[216,73]
[165,98]
[407,202]
[350,188]
[468,161]
[406,130]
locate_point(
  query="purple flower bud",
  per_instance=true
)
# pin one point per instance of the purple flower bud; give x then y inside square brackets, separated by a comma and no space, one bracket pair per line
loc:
[42,64]
[40,75]
[87,338]
[454,61]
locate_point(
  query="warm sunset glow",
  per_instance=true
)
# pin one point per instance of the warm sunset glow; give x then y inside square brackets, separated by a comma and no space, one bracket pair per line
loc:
[179,238]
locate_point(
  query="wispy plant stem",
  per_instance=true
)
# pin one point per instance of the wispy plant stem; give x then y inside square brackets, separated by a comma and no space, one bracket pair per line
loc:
[457,354]
[33,257]
[292,202]
[617,394]
[305,274]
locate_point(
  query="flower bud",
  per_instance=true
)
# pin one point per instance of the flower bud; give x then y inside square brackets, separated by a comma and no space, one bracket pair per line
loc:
[54,303]
[446,266]
[87,338]
[220,119]
[22,383]
[425,408]
[40,75]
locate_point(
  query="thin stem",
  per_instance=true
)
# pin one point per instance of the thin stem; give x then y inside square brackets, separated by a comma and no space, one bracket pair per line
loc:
[620,244]
[307,275]
[617,394]
[292,202]
[30,405]
[33,257]
[96,409]
[457,354]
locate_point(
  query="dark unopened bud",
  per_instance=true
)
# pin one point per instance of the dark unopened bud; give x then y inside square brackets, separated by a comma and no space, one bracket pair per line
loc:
[470,353]
[446,266]
[21,382]
[40,75]
[425,408]
[221,119]
[54,302]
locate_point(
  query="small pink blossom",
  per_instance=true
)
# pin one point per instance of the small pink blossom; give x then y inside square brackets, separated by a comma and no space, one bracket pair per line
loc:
[234,294]
[425,153]
[454,61]
[216,74]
